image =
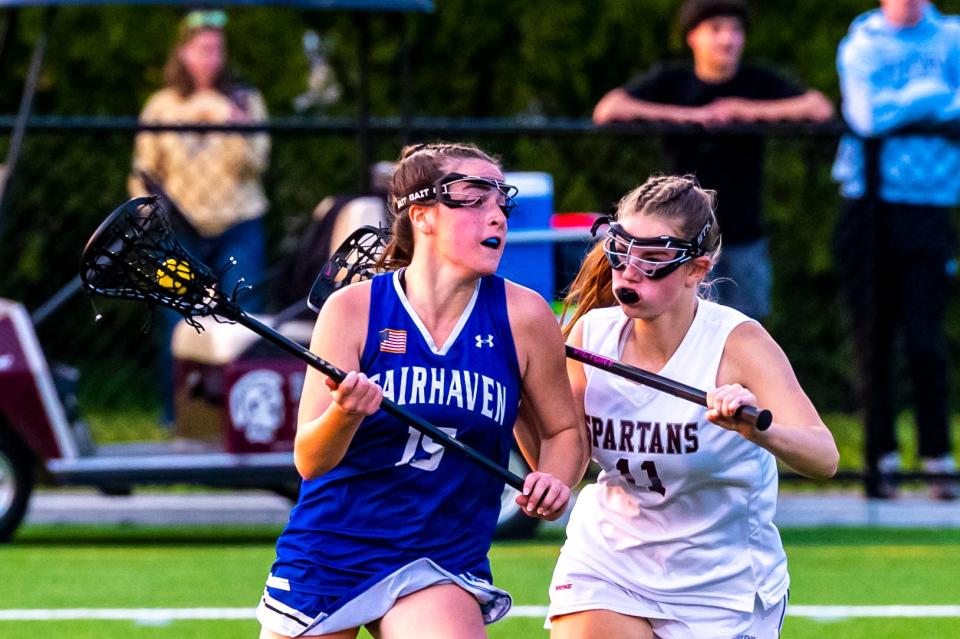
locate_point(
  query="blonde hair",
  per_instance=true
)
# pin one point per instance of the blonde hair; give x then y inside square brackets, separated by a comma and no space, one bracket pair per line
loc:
[679,199]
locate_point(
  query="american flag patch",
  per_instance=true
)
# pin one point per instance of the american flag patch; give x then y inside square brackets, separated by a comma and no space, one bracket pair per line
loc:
[393,341]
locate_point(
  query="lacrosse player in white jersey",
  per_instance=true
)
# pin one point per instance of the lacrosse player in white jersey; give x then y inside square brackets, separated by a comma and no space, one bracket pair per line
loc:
[676,539]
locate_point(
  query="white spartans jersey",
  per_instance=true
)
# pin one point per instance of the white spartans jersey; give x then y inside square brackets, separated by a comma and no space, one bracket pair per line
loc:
[682,511]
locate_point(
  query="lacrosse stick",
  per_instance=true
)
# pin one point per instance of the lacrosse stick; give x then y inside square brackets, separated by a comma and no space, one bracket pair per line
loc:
[759,418]
[356,260]
[134,255]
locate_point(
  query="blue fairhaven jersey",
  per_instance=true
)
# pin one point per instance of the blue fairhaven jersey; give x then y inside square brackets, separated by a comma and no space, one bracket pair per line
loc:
[397,496]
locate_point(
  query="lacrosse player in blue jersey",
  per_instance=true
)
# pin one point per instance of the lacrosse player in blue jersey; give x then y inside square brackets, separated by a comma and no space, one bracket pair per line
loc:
[391,530]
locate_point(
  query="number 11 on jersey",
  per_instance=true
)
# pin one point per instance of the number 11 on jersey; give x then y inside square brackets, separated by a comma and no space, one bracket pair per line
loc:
[650,468]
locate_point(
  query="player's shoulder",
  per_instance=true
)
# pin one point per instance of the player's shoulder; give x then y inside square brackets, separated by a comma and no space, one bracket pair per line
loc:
[727,321]
[748,332]
[351,302]
[749,345]
[525,301]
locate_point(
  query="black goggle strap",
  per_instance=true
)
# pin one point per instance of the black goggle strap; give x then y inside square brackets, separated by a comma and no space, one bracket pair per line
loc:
[702,237]
[426,194]
[441,192]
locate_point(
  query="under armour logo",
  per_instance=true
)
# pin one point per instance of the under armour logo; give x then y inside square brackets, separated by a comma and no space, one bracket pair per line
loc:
[481,341]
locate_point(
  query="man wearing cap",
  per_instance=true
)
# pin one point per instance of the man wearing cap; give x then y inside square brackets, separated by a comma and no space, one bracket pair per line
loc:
[716,90]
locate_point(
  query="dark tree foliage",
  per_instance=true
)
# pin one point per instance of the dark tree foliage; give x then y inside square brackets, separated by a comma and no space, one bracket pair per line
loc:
[476,58]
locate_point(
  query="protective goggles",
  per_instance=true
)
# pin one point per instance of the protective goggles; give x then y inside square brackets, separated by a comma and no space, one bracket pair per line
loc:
[456,190]
[653,257]
[205,20]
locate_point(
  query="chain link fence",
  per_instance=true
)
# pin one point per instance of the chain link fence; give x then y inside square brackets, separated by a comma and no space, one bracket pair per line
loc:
[73,172]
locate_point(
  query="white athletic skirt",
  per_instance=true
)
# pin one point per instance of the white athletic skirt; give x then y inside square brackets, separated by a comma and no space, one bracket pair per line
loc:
[577,588]
[288,613]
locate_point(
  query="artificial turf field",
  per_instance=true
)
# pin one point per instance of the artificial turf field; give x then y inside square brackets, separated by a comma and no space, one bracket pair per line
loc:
[49,568]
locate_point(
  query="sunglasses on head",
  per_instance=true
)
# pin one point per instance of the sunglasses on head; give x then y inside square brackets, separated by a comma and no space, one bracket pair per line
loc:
[653,257]
[456,190]
[205,20]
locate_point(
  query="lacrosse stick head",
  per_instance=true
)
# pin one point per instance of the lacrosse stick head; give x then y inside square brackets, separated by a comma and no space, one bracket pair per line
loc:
[134,255]
[355,260]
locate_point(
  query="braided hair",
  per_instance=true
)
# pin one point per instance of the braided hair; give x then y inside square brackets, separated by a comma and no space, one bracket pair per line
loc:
[420,166]
[679,199]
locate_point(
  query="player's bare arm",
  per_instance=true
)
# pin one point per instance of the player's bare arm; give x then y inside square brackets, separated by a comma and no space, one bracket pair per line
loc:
[546,392]
[578,385]
[525,434]
[330,413]
[525,428]
[754,369]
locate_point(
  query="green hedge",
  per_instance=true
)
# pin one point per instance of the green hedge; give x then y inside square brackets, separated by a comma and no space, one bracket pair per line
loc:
[474,58]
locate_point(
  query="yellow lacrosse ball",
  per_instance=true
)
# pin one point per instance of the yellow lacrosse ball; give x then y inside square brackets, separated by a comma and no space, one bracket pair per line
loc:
[173,275]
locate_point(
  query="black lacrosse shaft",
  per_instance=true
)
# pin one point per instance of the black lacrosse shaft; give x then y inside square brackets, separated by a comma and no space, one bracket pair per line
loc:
[411,419]
[760,418]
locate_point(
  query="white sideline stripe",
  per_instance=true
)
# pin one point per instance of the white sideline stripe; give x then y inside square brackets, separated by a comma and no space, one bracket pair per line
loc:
[170,614]
[837,612]
[122,614]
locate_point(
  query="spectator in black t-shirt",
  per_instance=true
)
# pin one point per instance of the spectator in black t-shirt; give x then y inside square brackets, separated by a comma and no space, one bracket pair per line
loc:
[717,90]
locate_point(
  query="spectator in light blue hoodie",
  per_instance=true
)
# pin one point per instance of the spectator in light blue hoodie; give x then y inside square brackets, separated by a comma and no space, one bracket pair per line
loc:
[900,67]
